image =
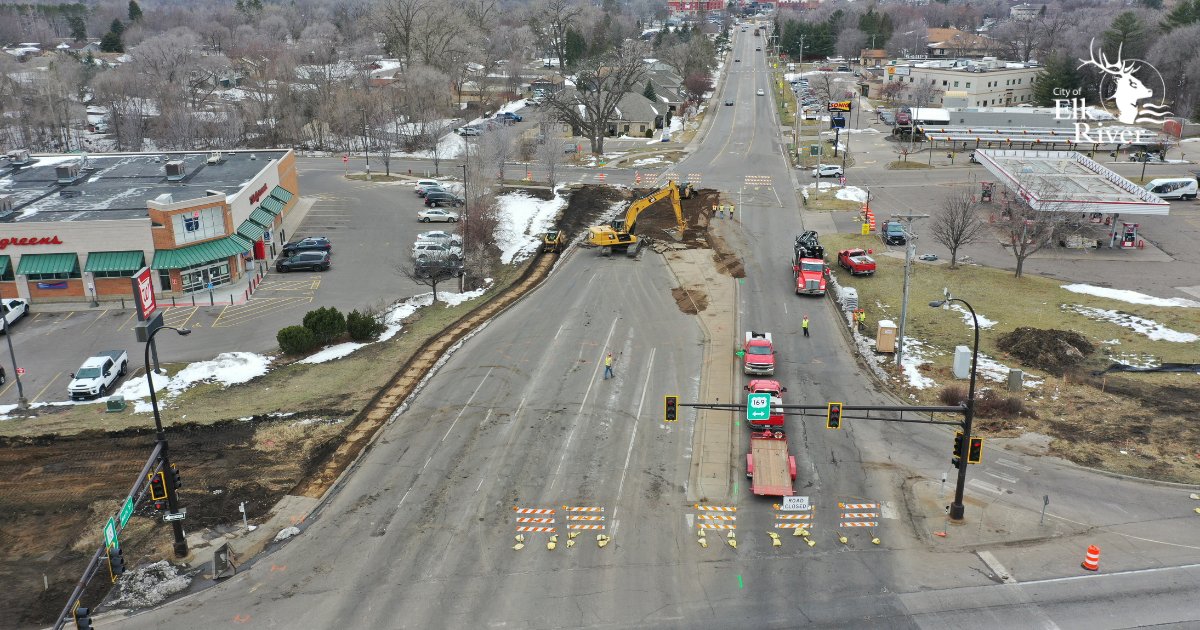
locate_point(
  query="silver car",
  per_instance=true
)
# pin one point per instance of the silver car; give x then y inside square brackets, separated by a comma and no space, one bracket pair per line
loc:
[436,251]
[440,236]
[437,214]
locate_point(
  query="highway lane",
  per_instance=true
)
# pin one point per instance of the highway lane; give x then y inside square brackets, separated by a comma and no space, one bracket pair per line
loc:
[419,534]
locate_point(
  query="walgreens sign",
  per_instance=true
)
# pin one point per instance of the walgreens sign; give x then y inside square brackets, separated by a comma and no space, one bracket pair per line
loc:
[33,240]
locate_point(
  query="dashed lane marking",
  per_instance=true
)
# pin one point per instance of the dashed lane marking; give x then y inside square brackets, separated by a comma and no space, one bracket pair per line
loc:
[983,485]
[1001,476]
[1014,465]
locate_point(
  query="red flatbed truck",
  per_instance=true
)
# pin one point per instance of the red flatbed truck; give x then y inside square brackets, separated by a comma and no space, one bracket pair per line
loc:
[769,466]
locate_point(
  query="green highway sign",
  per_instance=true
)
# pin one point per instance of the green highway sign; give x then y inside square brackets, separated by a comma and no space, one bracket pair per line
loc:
[758,407]
[110,533]
[126,511]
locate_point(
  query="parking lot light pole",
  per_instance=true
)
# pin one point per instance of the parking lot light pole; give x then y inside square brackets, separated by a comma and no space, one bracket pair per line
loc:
[181,546]
[21,402]
[956,508]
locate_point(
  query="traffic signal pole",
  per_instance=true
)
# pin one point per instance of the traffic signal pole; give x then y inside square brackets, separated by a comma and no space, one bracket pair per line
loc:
[181,546]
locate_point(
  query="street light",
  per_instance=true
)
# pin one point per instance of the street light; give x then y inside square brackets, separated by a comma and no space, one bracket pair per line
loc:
[21,402]
[181,546]
[956,508]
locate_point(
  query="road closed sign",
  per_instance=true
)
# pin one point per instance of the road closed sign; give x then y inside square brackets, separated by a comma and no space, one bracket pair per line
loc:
[758,407]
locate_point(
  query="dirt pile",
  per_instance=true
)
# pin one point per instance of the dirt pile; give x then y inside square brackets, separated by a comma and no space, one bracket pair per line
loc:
[1050,350]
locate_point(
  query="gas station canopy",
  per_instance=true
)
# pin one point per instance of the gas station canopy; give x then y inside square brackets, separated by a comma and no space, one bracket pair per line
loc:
[1058,181]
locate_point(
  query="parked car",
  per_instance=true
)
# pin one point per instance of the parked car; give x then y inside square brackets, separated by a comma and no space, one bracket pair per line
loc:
[423,184]
[12,310]
[436,199]
[440,236]
[843,68]
[893,233]
[312,243]
[508,118]
[429,268]
[470,130]
[827,170]
[424,192]
[437,214]
[311,261]
[435,251]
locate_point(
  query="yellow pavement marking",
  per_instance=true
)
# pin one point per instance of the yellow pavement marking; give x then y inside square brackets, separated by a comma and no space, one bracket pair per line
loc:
[311,284]
[39,394]
[7,387]
[132,314]
[255,308]
[52,331]
[98,316]
[170,317]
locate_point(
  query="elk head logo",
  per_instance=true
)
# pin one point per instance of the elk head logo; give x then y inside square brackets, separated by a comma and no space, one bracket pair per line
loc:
[1129,88]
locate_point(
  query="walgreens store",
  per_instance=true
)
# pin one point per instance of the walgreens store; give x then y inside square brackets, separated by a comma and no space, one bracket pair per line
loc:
[77,226]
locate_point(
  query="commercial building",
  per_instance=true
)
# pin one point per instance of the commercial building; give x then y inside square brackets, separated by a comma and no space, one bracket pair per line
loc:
[76,227]
[968,83]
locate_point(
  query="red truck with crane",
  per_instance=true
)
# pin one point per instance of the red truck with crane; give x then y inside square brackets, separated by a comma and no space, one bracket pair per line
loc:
[808,265]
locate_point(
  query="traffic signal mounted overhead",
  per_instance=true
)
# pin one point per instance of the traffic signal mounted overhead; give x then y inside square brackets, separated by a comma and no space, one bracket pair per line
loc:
[82,616]
[158,490]
[176,478]
[975,452]
[833,415]
[116,562]
[958,443]
[670,408]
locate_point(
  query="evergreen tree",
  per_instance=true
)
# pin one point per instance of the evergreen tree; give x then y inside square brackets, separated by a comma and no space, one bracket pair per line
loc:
[1150,4]
[1126,33]
[574,47]
[1060,73]
[111,42]
[117,27]
[135,11]
[649,91]
[877,27]
[1184,13]
[78,28]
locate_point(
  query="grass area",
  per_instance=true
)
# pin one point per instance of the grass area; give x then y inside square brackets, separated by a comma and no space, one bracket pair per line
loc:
[900,165]
[825,200]
[1091,418]
[335,389]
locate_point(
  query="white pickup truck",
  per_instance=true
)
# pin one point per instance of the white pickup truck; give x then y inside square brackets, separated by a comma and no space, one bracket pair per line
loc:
[98,374]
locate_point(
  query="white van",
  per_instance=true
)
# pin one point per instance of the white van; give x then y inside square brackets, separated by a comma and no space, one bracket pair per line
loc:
[1173,187]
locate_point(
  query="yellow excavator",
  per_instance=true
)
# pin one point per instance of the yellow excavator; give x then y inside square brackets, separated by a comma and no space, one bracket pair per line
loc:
[618,235]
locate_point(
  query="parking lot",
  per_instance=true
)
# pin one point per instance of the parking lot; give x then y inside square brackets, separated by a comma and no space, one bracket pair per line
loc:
[372,226]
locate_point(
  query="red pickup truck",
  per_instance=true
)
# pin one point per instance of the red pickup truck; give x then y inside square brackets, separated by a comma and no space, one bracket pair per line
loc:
[772,387]
[758,354]
[857,262]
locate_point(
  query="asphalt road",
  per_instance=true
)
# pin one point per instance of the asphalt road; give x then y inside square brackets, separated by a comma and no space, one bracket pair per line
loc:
[419,535]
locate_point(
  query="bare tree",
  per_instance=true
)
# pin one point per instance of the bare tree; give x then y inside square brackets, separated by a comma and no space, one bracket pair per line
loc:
[1027,230]
[431,273]
[556,17]
[957,224]
[850,42]
[549,156]
[496,149]
[399,20]
[601,83]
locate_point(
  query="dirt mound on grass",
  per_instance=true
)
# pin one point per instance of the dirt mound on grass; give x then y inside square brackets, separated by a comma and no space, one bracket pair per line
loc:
[1050,350]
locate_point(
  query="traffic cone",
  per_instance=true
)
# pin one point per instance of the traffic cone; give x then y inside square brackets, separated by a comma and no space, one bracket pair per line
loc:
[1092,561]
[637,177]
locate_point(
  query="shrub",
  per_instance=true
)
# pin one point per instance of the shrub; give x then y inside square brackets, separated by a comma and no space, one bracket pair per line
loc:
[953,394]
[326,323]
[649,133]
[363,326]
[296,340]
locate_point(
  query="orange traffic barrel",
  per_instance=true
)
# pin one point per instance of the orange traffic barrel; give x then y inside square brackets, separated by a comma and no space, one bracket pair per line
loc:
[1092,561]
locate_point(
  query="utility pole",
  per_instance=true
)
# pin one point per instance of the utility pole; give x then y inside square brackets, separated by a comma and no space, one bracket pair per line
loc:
[910,249]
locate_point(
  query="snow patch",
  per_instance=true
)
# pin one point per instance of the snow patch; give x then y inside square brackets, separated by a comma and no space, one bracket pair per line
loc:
[1133,297]
[1148,327]
[852,193]
[984,323]
[287,533]
[330,353]
[522,218]
[150,585]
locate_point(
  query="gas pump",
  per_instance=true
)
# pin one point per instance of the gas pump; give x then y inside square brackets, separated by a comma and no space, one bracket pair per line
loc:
[1129,235]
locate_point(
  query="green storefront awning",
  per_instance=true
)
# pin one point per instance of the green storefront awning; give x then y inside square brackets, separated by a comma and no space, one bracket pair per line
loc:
[262,217]
[281,194]
[47,263]
[251,230]
[200,253]
[5,263]
[272,205]
[115,261]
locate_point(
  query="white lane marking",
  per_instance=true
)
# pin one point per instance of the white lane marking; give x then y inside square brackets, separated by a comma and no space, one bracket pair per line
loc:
[983,485]
[403,498]
[1011,464]
[465,406]
[1089,576]
[1002,476]
[579,412]
[994,564]
[632,435]
[557,332]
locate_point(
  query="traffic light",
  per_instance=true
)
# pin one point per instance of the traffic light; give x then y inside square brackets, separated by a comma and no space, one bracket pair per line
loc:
[833,415]
[158,490]
[176,478]
[975,452]
[956,459]
[670,408]
[116,562]
[82,616]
